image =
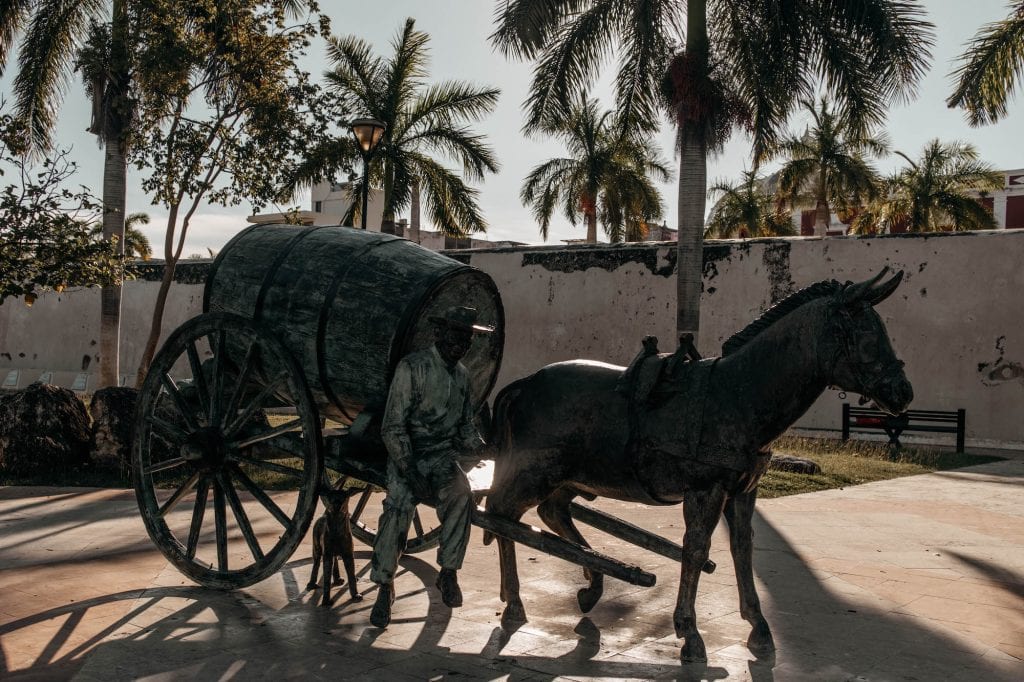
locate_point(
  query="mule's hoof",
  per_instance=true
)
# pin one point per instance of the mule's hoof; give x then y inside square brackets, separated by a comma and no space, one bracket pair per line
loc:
[761,640]
[311,586]
[588,598]
[693,649]
[357,597]
[514,613]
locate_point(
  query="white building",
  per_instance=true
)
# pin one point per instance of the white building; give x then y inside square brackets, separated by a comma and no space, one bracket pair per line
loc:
[330,201]
[1007,206]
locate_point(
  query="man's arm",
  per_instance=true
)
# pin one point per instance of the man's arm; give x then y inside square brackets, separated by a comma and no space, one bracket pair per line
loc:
[393,427]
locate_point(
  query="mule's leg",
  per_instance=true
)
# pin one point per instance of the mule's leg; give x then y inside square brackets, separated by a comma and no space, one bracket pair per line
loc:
[520,483]
[317,551]
[739,510]
[701,511]
[555,513]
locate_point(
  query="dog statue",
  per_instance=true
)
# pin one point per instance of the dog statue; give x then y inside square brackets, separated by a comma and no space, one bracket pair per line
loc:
[332,540]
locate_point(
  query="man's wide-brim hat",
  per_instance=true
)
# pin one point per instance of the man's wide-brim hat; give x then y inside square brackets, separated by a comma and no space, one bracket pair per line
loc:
[462,317]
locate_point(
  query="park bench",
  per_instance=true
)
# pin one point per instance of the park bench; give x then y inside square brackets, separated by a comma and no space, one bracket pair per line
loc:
[928,421]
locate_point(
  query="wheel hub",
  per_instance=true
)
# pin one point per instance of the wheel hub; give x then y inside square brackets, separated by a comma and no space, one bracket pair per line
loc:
[205,448]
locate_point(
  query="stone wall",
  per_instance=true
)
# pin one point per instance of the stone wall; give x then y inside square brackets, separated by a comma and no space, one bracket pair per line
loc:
[957,321]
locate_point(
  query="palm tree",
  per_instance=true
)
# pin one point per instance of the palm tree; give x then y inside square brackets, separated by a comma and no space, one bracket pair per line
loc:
[745,63]
[607,175]
[421,119]
[747,209]
[136,244]
[827,164]
[52,33]
[931,194]
[990,68]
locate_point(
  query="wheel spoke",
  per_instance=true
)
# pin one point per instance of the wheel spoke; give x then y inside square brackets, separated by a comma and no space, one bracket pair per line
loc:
[263,498]
[221,522]
[216,402]
[267,391]
[417,524]
[273,466]
[178,494]
[361,504]
[164,465]
[243,380]
[241,517]
[287,427]
[179,401]
[197,376]
[168,431]
[198,512]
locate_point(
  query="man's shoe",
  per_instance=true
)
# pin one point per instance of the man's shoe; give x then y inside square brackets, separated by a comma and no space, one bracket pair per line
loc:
[448,583]
[380,616]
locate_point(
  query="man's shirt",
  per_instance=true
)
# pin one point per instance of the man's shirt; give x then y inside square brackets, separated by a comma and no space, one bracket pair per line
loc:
[429,409]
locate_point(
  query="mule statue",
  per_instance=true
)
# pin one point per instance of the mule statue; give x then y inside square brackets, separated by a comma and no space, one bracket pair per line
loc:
[702,433]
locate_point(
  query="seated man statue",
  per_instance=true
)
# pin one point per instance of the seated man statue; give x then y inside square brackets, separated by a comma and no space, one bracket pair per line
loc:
[427,427]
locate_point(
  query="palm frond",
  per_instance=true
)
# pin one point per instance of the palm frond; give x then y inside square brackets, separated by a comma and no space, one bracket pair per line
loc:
[46,56]
[526,26]
[990,68]
[451,204]
[570,62]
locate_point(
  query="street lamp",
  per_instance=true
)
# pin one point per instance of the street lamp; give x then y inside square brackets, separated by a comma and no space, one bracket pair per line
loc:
[368,133]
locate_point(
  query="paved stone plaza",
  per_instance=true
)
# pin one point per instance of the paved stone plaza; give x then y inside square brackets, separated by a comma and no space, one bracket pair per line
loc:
[917,578]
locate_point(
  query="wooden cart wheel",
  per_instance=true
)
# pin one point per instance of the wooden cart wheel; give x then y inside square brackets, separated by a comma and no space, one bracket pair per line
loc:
[424,533]
[211,437]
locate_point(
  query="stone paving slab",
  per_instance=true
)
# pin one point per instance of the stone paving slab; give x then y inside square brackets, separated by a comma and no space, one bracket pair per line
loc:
[918,578]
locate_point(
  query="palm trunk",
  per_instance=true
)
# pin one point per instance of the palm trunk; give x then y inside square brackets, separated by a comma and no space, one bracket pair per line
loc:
[692,190]
[115,171]
[387,221]
[591,227]
[690,247]
[115,179]
[414,212]
[822,212]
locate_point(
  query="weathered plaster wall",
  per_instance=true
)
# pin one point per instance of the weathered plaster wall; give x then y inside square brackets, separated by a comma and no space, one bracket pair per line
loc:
[958,319]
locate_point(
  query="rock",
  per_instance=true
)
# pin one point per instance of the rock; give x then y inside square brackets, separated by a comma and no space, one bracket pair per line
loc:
[113,416]
[42,428]
[797,465]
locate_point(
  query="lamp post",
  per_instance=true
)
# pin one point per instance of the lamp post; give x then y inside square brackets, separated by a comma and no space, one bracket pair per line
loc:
[368,133]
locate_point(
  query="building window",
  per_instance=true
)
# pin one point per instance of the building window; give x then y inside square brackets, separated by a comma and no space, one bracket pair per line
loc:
[318,207]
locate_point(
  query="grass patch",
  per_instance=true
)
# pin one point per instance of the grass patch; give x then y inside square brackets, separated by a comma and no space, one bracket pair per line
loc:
[854,462]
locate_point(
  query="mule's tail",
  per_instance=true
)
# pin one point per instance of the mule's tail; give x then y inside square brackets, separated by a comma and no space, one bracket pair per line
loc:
[500,435]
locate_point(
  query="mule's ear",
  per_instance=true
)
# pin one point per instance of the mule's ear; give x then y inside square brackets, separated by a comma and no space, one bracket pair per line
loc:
[883,291]
[856,292]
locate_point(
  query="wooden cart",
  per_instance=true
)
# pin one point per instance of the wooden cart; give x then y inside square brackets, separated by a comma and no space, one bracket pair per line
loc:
[276,386]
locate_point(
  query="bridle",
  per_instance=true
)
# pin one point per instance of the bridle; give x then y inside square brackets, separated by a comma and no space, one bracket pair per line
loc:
[869,373]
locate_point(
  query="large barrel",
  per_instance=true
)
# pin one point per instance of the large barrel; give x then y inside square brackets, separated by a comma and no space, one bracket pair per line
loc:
[350,304]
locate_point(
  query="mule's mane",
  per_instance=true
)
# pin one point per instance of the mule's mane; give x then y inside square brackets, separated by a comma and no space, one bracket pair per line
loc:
[778,311]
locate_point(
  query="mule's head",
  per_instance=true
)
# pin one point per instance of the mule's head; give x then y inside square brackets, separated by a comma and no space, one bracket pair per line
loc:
[864,361]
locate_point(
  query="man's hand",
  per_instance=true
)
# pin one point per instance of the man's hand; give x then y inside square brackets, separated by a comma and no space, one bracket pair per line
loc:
[418,484]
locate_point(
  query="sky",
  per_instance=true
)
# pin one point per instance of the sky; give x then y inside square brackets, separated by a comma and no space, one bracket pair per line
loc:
[460,51]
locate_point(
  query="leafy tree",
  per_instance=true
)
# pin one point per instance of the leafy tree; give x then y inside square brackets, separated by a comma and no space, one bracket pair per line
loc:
[606,176]
[931,194]
[223,112]
[717,64]
[747,209]
[422,121]
[827,164]
[46,235]
[990,68]
[52,33]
